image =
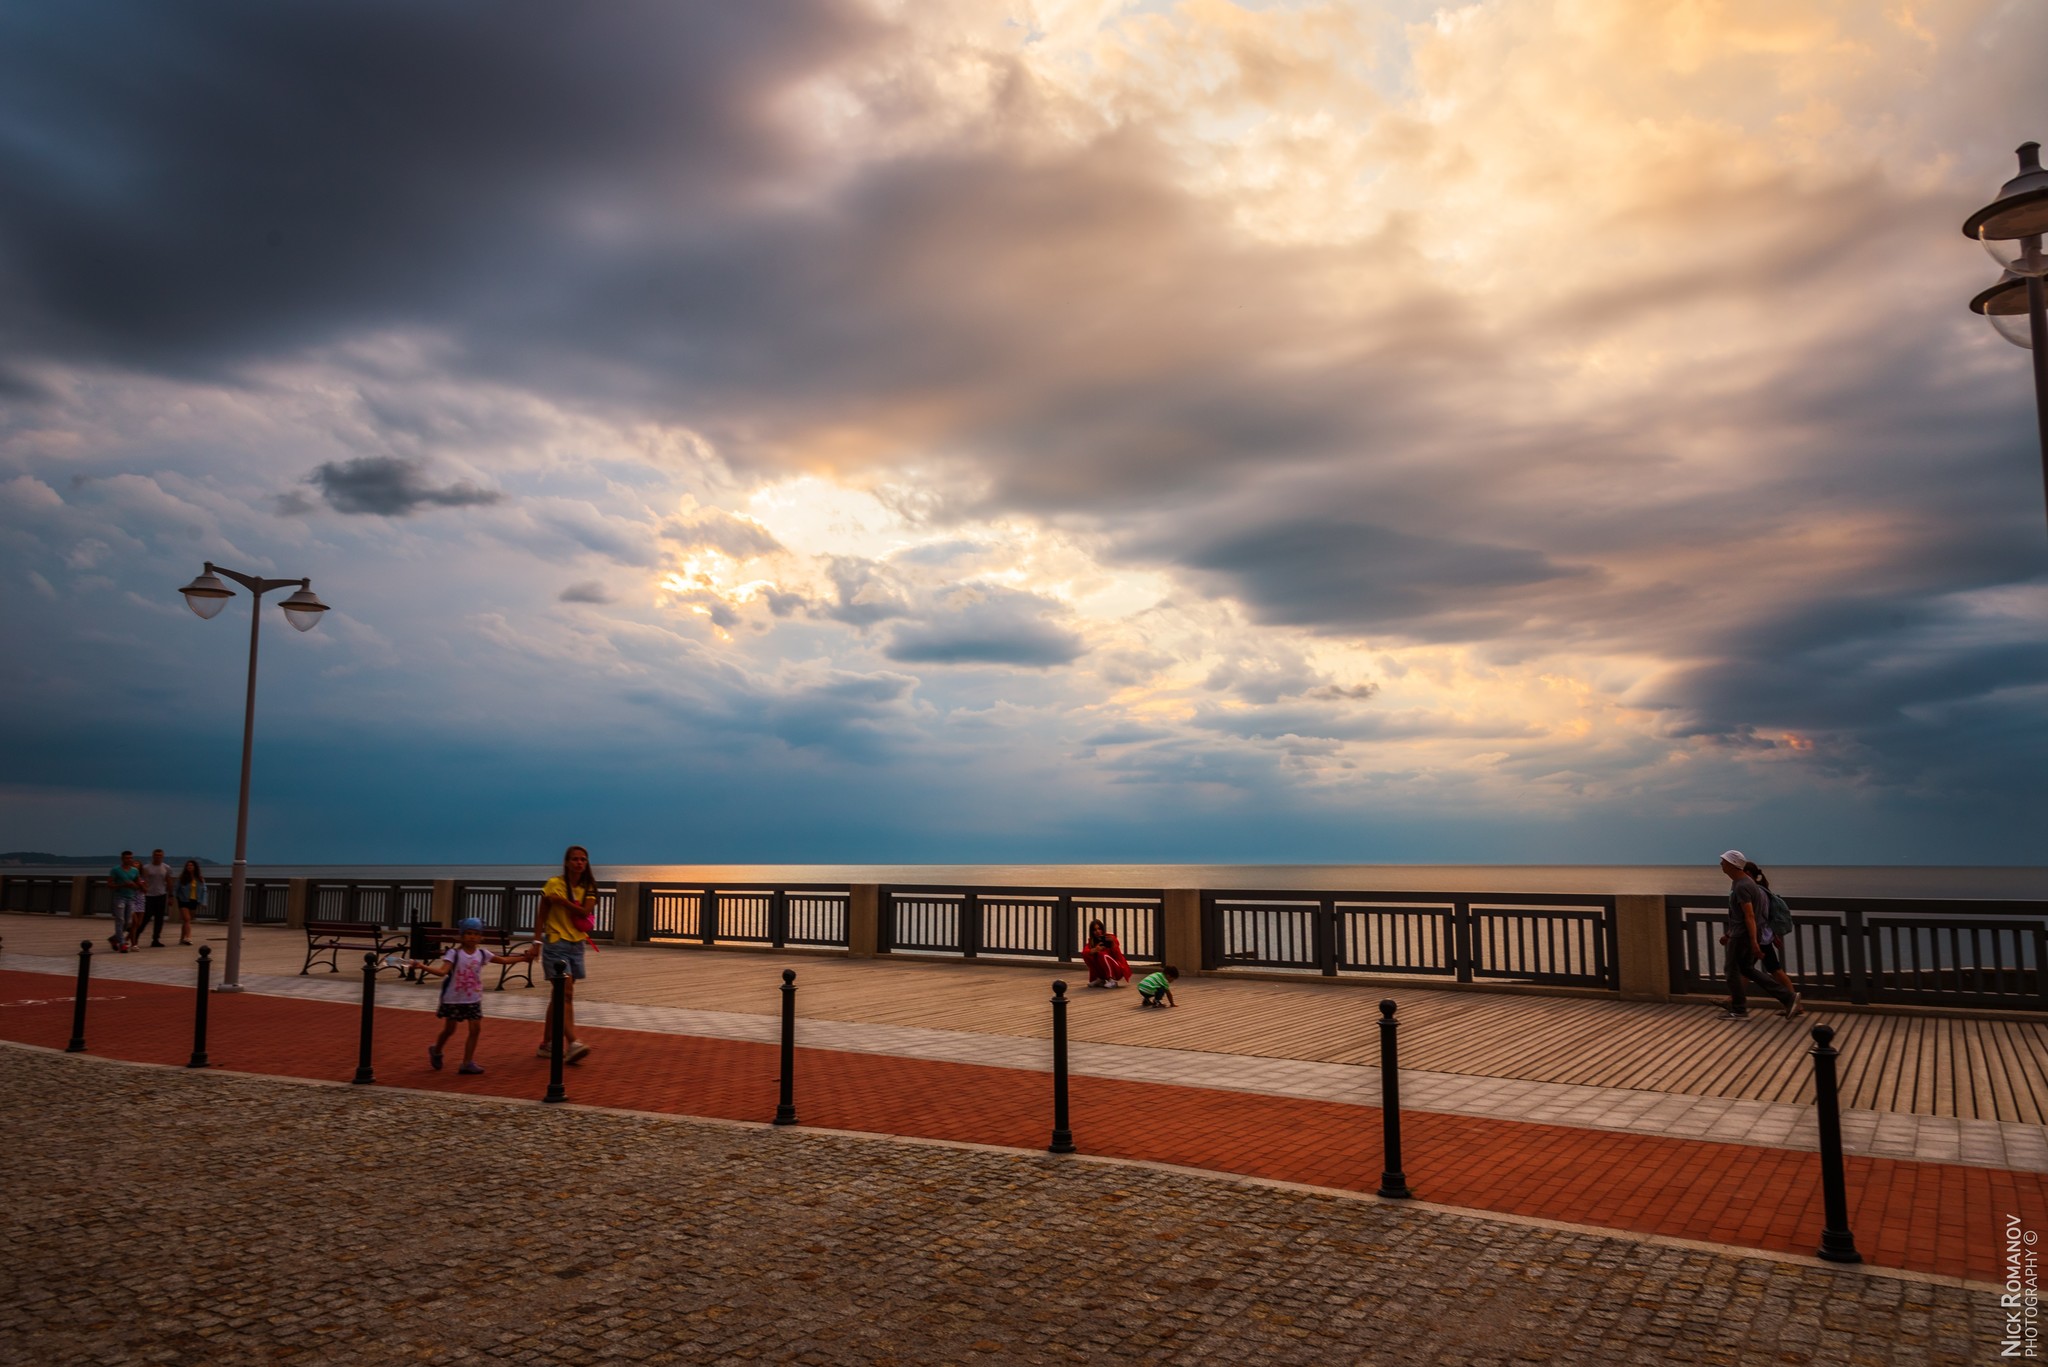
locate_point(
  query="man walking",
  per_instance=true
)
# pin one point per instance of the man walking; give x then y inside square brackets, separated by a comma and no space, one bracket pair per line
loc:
[1749,930]
[156,895]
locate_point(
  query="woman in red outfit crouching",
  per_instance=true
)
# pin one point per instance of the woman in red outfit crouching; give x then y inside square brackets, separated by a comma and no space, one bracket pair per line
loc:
[1104,957]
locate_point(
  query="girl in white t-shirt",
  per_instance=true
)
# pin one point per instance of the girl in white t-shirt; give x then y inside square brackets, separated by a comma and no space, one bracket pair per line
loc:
[462,995]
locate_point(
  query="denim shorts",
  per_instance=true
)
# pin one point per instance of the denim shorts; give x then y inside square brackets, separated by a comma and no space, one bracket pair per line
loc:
[567,953]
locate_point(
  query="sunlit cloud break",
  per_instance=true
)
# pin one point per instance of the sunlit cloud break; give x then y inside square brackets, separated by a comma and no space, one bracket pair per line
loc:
[1203,430]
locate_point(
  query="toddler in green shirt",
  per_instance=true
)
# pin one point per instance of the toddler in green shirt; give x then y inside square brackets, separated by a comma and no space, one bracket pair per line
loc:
[1153,988]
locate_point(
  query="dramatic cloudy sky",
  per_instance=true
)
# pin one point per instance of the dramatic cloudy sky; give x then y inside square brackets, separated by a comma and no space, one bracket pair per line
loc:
[1539,430]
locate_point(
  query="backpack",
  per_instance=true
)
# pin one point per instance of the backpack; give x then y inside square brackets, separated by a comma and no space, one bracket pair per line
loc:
[1780,917]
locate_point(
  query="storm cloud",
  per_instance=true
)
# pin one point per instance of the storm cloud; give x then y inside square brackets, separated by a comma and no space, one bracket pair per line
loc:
[386,486]
[1313,409]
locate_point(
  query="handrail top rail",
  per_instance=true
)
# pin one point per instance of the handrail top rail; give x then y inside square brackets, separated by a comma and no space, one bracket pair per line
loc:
[426,885]
[713,885]
[1910,906]
[1317,896]
[1020,890]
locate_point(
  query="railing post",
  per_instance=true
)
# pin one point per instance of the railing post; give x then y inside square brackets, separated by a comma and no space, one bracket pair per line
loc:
[295,899]
[198,1059]
[866,913]
[1461,939]
[629,916]
[1062,1130]
[778,918]
[557,1045]
[77,1045]
[707,916]
[1859,958]
[365,1073]
[785,1106]
[970,925]
[1393,1180]
[81,896]
[1837,1244]
[1326,936]
[1065,934]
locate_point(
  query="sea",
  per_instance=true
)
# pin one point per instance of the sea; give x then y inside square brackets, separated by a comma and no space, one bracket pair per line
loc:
[2024,882]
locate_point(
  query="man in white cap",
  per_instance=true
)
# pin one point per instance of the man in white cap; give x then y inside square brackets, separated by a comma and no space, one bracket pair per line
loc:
[1749,930]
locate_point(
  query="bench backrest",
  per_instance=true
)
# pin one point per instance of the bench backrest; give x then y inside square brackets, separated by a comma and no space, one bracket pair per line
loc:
[344,928]
[443,936]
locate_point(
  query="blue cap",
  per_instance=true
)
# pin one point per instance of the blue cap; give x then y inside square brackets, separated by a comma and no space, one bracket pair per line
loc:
[470,923]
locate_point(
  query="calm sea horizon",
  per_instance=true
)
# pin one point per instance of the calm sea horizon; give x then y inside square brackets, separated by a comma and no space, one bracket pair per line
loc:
[2023,882]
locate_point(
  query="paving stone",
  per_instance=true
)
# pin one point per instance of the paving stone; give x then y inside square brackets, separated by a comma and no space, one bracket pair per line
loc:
[155,1215]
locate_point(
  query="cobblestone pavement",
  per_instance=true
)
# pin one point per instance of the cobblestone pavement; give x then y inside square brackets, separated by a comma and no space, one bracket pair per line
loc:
[154,1215]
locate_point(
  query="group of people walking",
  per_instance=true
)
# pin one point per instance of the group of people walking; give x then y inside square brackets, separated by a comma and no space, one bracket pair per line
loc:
[143,894]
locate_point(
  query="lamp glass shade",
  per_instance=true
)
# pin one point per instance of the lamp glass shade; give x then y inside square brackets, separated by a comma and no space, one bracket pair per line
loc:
[2020,255]
[207,595]
[2014,327]
[303,609]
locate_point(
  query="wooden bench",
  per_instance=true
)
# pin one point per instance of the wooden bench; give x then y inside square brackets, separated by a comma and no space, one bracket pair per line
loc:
[331,937]
[498,941]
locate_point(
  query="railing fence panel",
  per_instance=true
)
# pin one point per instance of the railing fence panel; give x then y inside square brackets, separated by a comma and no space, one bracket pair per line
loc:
[745,914]
[1989,955]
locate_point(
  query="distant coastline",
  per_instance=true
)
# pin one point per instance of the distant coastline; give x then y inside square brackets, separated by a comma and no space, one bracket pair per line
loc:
[38,859]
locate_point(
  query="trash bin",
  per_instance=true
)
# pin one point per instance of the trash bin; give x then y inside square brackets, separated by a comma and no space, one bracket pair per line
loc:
[422,947]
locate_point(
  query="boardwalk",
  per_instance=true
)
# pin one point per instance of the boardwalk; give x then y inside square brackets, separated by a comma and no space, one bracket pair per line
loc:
[1909,1065]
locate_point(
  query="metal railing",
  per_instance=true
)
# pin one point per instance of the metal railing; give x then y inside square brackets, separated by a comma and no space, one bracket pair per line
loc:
[265,900]
[811,914]
[515,906]
[1027,923]
[1559,941]
[1984,954]
[386,903]
[36,893]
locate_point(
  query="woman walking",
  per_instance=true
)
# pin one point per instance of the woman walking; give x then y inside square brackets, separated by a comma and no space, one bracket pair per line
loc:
[191,891]
[568,906]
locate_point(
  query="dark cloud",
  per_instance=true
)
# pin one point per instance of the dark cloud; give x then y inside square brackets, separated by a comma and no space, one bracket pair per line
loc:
[1128,733]
[983,625]
[587,591]
[1356,577]
[194,185]
[389,486]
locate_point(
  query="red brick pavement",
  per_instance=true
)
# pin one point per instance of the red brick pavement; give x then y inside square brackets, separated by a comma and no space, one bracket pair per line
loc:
[1933,1217]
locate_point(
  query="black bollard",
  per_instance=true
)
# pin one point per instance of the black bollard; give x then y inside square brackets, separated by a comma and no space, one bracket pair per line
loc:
[785,1109]
[1393,1181]
[366,1074]
[1837,1244]
[1062,1133]
[77,1045]
[199,1010]
[559,988]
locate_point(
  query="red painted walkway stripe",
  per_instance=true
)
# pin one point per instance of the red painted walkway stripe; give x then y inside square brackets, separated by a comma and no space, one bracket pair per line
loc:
[1929,1216]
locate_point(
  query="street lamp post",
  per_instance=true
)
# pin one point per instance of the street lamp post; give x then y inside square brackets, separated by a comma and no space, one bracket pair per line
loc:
[207,595]
[2011,229]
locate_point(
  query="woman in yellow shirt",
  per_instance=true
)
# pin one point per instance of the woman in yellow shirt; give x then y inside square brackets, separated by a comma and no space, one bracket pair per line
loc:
[568,905]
